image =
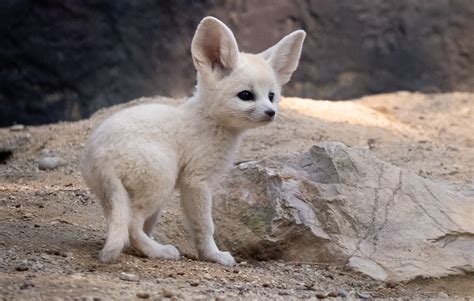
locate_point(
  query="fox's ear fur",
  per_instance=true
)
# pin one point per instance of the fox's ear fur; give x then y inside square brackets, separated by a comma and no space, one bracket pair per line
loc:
[285,54]
[214,48]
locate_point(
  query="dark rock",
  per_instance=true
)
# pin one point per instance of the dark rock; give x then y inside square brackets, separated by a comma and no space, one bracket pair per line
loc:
[143,295]
[141,48]
[321,295]
[22,267]
[26,285]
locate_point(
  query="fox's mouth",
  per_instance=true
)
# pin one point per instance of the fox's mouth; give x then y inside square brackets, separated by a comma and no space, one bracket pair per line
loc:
[267,119]
[262,119]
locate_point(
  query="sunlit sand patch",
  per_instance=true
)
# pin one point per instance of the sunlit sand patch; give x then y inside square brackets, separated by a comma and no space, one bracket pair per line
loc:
[347,112]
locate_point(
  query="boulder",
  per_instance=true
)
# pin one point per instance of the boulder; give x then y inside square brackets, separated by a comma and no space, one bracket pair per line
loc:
[342,205]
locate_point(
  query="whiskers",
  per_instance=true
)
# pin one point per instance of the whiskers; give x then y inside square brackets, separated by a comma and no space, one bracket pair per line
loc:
[282,115]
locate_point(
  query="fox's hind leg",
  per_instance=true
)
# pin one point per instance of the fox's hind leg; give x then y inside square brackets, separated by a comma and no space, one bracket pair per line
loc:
[149,247]
[154,171]
[146,206]
[150,223]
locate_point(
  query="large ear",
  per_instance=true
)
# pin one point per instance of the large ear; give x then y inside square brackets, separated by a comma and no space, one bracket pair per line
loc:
[214,48]
[285,54]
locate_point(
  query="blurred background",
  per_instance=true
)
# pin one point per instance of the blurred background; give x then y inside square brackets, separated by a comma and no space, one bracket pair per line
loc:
[63,60]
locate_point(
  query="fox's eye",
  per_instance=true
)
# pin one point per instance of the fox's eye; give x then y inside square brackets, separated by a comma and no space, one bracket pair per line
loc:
[270,96]
[246,95]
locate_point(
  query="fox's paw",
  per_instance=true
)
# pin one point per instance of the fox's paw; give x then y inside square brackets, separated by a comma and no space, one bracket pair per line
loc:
[223,258]
[167,252]
[109,255]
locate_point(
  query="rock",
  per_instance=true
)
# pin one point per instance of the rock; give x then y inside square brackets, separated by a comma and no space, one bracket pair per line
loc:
[343,293]
[22,267]
[167,293]
[369,47]
[391,284]
[143,295]
[48,163]
[129,277]
[17,128]
[443,295]
[44,152]
[337,204]
[26,285]
[321,295]
[194,283]
[362,295]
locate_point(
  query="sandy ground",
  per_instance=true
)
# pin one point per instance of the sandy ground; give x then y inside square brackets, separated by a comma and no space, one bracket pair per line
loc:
[51,227]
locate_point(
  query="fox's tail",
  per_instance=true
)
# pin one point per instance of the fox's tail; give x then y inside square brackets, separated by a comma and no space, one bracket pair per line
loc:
[118,215]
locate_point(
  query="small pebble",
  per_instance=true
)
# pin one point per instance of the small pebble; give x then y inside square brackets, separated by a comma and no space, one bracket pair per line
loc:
[443,295]
[17,127]
[321,295]
[194,283]
[27,215]
[333,294]
[143,295]
[26,285]
[44,152]
[168,293]
[129,277]
[391,284]
[48,163]
[22,267]
[362,295]
[343,293]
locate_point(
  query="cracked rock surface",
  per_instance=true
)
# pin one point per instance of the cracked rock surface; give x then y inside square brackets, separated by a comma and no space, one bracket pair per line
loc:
[340,204]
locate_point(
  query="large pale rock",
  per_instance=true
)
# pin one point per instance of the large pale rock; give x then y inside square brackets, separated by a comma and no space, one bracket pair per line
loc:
[343,205]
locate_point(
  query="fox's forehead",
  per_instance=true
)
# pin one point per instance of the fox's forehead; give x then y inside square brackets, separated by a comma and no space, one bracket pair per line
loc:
[255,71]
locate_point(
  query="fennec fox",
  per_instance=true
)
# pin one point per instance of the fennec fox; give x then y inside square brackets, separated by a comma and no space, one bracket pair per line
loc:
[137,157]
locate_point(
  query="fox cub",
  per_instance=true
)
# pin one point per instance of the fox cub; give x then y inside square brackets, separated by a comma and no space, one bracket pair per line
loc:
[137,157]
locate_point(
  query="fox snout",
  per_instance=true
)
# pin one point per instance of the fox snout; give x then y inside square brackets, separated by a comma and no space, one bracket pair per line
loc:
[270,113]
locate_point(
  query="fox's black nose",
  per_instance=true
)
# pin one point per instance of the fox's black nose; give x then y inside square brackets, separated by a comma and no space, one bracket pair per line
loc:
[270,113]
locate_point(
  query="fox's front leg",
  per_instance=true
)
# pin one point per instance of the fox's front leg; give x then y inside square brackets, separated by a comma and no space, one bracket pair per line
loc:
[196,200]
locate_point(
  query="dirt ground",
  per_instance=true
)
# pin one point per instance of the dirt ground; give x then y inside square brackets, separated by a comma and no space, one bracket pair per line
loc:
[51,227]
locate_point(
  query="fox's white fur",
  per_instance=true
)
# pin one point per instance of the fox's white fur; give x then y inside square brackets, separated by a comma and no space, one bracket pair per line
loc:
[137,157]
